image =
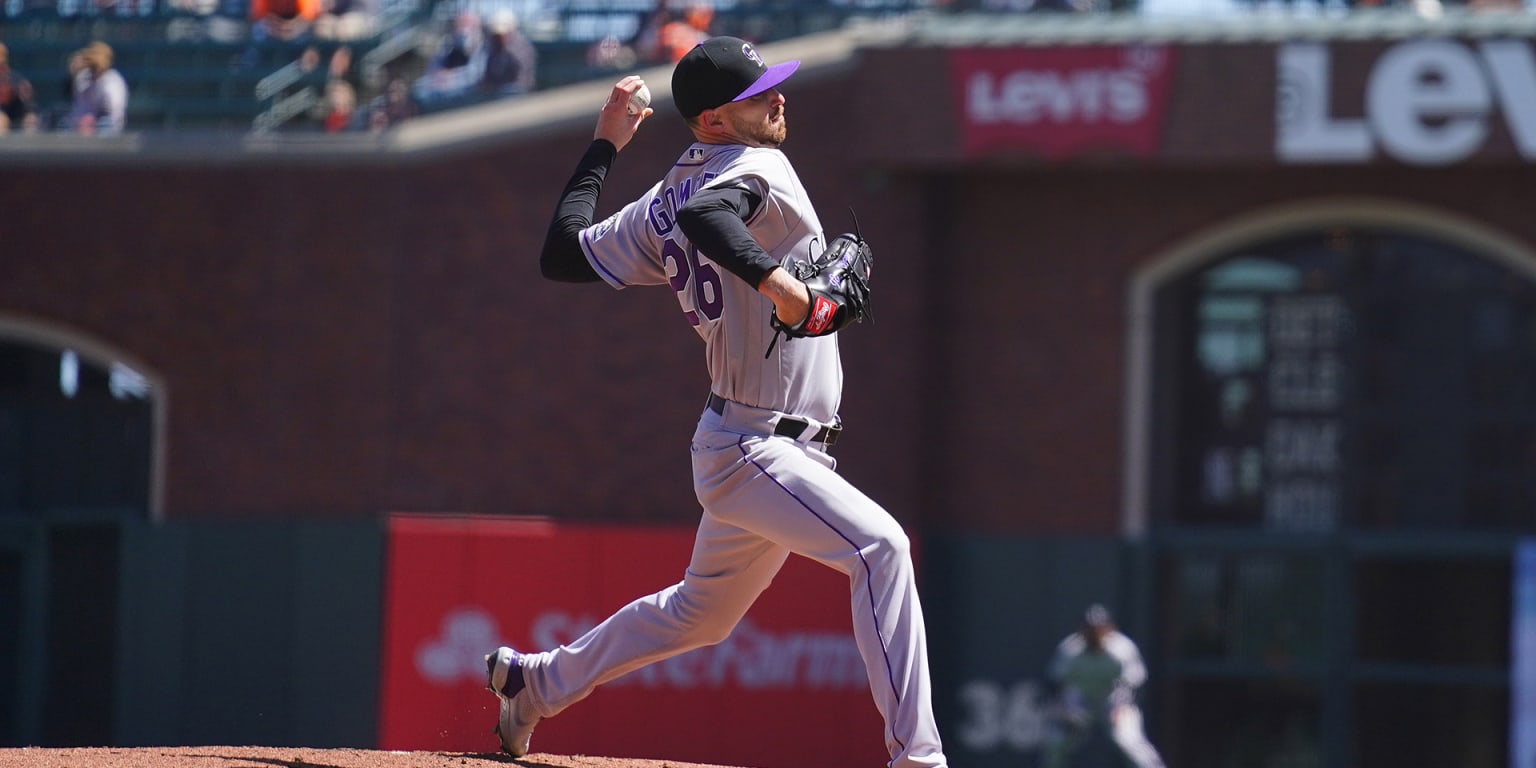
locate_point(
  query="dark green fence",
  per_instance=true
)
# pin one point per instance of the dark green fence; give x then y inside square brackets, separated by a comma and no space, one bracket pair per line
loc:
[134,633]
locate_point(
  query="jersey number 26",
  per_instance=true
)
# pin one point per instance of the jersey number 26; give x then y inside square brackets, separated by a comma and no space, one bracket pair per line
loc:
[705,298]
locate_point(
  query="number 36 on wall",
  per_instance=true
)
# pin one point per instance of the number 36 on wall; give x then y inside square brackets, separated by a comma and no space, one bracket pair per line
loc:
[997,716]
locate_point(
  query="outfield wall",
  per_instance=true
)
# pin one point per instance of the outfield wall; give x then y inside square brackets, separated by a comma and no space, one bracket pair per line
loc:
[370,635]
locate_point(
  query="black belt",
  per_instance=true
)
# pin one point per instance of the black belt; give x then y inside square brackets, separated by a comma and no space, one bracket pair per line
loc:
[787,427]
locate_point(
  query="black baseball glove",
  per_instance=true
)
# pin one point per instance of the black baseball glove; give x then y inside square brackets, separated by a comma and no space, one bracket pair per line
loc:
[839,285]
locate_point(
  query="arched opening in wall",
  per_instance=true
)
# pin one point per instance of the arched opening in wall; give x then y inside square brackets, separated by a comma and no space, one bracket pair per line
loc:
[1348,377]
[1336,446]
[76,432]
[79,434]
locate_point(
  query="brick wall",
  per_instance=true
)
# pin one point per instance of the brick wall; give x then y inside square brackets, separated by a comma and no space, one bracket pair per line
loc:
[345,339]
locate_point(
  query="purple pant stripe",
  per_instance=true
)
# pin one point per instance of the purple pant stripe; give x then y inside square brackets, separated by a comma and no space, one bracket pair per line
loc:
[868,581]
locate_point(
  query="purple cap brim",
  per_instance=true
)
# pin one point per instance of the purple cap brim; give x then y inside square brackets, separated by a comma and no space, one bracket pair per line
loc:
[776,74]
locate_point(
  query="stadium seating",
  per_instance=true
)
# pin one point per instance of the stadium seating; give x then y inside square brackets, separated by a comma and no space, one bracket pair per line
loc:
[200,69]
[183,69]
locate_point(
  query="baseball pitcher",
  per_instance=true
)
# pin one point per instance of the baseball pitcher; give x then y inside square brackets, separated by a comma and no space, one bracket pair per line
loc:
[732,232]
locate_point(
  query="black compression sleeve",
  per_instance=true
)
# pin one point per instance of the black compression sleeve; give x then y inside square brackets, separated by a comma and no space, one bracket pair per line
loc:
[561,257]
[714,220]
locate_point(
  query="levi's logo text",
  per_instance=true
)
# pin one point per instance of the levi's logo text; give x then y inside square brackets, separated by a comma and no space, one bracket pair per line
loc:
[1424,102]
[820,317]
[1062,102]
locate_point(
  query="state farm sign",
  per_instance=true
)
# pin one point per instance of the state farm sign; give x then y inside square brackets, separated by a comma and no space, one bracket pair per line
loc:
[457,587]
[1426,102]
[1061,102]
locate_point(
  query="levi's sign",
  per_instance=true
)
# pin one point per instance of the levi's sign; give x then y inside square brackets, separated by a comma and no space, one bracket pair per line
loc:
[1426,102]
[1061,102]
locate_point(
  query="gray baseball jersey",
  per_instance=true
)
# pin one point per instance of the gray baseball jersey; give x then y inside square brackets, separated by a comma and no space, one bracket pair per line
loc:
[642,245]
[1099,680]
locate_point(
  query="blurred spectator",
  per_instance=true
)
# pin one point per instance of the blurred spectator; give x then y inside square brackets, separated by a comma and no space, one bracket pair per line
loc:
[393,106]
[18,103]
[680,35]
[187,19]
[647,42]
[457,63]
[339,96]
[347,19]
[64,98]
[1038,6]
[669,34]
[340,106]
[611,53]
[191,7]
[74,72]
[308,63]
[27,8]
[334,90]
[224,21]
[340,66]
[282,19]
[100,105]
[510,59]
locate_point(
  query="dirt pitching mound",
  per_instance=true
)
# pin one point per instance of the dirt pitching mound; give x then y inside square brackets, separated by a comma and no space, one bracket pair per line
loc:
[293,757]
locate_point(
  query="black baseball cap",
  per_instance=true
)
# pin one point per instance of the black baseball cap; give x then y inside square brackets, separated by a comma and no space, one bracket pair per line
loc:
[721,70]
[1097,616]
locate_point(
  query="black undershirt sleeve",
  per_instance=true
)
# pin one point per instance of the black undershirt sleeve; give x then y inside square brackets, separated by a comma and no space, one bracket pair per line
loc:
[561,258]
[714,220]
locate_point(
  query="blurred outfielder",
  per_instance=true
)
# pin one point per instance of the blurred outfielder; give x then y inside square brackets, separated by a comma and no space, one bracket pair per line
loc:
[1096,671]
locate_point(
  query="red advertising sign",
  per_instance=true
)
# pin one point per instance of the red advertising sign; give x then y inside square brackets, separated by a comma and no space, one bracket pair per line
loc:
[1062,102]
[787,687]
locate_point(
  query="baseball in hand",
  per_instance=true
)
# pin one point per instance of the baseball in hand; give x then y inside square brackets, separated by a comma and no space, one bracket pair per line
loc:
[638,100]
